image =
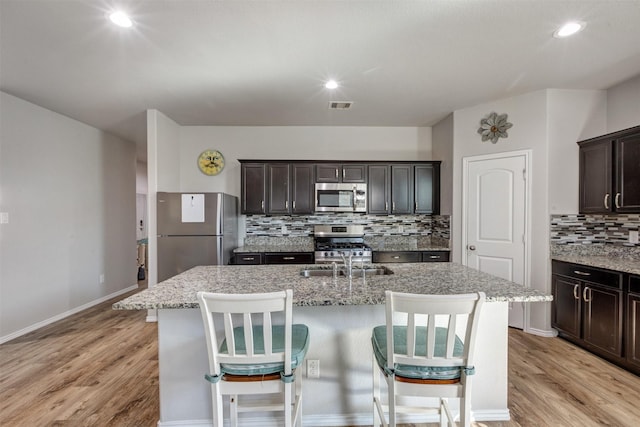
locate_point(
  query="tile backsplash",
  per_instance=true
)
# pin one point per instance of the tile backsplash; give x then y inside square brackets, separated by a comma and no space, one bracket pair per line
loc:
[374,225]
[609,230]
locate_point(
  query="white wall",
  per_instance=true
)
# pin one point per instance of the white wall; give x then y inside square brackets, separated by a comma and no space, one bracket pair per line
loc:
[549,123]
[572,115]
[443,150]
[623,105]
[163,174]
[69,190]
[292,142]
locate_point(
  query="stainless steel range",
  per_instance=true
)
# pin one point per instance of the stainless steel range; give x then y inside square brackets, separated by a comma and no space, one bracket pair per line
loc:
[333,241]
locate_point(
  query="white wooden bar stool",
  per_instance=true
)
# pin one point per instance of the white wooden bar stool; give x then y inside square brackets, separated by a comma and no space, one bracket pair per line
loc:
[256,356]
[418,354]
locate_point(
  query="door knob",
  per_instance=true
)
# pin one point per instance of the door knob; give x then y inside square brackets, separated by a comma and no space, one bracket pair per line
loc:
[471,248]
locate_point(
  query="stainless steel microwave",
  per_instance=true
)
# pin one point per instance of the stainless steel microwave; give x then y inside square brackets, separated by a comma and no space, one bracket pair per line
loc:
[341,197]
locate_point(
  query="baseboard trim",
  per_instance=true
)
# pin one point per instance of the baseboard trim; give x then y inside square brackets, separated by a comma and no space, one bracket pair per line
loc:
[61,316]
[335,420]
[551,333]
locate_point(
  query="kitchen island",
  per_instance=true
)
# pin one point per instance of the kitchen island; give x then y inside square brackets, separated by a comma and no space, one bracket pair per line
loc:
[340,315]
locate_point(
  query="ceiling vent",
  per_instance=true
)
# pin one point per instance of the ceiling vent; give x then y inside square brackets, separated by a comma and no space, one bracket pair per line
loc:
[340,105]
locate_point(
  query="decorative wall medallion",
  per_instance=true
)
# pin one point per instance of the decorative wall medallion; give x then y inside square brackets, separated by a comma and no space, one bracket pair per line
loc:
[494,126]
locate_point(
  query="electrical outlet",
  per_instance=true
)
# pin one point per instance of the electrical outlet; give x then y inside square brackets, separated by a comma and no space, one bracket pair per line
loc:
[633,236]
[313,368]
[101,278]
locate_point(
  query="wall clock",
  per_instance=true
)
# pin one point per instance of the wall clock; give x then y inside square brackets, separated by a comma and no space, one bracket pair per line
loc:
[211,162]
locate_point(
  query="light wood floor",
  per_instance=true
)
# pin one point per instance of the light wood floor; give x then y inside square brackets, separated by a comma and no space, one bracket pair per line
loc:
[99,368]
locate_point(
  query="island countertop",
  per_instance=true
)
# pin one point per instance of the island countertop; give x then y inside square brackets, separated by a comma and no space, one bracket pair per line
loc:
[425,278]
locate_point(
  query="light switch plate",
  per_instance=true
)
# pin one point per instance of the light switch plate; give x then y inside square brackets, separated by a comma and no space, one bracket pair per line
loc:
[4,217]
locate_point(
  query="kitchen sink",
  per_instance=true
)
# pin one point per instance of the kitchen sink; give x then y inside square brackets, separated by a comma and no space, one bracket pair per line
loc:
[327,271]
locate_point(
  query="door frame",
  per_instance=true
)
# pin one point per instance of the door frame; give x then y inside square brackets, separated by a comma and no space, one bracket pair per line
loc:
[527,154]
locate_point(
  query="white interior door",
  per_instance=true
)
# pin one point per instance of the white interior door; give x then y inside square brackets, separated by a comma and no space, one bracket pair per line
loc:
[495,199]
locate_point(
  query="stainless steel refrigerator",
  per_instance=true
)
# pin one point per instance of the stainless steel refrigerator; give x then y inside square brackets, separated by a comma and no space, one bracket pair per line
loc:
[195,229]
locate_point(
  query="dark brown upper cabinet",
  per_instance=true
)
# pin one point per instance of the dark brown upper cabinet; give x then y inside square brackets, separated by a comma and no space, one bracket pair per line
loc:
[427,189]
[336,172]
[277,188]
[379,189]
[283,187]
[302,188]
[401,189]
[253,183]
[610,173]
[404,188]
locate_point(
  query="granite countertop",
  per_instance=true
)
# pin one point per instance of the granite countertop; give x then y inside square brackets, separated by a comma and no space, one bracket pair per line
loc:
[426,278]
[275,248]
[624,265]
[395,247]
[411,247]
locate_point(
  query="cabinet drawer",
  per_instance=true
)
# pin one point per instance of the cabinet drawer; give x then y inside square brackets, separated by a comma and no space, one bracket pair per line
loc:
[393,256]
[588,274]
[288,258]
[435,256]
[634,284]
[249,258]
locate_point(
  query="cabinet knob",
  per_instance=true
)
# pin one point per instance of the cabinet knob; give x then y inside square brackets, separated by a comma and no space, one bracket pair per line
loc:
[471,247]
[575,291]
[586,291]
[617,202]
[288,258]
[606,201]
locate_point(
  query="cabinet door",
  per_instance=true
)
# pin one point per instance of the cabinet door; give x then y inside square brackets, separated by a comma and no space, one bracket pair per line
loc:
[248,258]
[603,318]
[378,189]
[354,173]
[278,194]
[565,315]
[396,256]
[401,189]
[253,188]
[302,188]
[288,258]
[632,344]
[427,189]
[435,256]
[328,172]
[627,192]
[595,177]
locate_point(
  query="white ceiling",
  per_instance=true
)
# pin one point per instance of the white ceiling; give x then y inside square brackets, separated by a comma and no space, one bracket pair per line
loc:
[235,62]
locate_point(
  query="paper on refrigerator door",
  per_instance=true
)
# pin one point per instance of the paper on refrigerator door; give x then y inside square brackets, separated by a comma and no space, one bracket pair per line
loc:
[193,208]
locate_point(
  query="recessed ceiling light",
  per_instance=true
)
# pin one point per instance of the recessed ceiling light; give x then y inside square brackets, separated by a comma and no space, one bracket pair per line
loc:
[331,84]
[569,29]
[121,19]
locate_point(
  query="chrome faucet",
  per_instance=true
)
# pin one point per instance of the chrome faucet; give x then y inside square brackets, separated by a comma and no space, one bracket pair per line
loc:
[348,262]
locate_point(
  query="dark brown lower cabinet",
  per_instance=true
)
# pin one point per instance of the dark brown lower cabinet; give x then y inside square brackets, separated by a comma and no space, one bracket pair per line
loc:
[248,258]
[288,258]
[633,322]
[589,310]
[410,256]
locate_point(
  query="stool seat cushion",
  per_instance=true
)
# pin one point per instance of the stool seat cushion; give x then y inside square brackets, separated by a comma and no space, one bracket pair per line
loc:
[379,341]
[299,347]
